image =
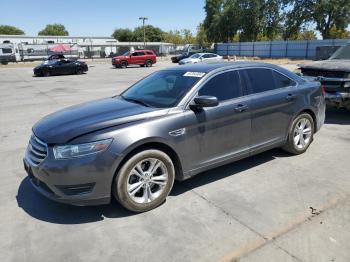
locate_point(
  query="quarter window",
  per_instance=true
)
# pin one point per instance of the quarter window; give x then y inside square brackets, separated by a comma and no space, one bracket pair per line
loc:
[282,81]
[224,86]
[260,79]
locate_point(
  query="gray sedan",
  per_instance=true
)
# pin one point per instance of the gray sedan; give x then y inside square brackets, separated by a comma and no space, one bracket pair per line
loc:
[173,124]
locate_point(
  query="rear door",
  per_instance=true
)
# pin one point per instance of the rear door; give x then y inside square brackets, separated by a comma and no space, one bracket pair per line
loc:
[273,97]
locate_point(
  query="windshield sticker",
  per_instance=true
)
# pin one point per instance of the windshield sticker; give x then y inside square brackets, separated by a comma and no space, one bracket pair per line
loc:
[194,74]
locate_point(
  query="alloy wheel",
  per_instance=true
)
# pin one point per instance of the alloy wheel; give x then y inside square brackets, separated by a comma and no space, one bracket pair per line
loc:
[147,180]
[302,133]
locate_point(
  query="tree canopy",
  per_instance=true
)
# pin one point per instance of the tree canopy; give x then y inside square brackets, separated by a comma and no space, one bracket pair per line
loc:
[154,34]
[254,20]
[10,30]
[54,29]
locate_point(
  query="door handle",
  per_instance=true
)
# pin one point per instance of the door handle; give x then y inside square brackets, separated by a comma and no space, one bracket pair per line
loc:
[241,108]
[290,97]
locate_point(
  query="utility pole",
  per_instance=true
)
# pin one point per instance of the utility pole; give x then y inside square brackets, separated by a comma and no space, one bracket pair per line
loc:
[144,30]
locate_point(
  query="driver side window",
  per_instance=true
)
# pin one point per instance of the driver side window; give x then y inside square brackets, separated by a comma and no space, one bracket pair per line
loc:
[224,86]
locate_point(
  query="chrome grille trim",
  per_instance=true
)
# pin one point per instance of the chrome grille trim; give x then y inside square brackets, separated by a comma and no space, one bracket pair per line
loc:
[37,151]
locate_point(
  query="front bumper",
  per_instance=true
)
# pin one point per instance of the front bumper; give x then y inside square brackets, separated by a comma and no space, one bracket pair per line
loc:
[78,181]
[115,62]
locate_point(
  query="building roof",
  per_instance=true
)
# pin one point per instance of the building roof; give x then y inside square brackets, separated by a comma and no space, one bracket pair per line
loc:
[57,36]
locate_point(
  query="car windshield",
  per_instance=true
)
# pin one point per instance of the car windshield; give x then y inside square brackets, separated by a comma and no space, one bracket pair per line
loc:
[342,53]
[126,54]
[163,89]
[195,56]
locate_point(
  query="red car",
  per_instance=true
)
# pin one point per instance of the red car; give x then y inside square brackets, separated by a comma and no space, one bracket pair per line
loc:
[137,57]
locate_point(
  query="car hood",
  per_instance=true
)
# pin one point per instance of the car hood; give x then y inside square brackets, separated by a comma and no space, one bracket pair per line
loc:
[331,65]
[64,125]
[120,57]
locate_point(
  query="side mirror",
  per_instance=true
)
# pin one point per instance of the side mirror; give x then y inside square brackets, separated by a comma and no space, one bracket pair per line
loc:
[205,101]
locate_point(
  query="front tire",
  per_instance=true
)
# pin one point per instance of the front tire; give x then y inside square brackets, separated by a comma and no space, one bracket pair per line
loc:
[123,64]
[300,134]
[149,63]
[46,73]
[144,181]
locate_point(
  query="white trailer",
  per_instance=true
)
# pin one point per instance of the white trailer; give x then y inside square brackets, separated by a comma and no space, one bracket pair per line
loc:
[9,53]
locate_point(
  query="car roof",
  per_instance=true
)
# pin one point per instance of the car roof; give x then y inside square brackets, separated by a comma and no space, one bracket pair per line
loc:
[143,50]
[216,67]
[206,53]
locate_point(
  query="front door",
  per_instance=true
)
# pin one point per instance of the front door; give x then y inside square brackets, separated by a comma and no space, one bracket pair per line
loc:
[218,133]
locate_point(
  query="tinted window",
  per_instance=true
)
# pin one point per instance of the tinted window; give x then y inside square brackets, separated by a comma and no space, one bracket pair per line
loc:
[260,79]
[6,50]
[282,81]
[135,54]
[224,86]
[140,53]
[162,89]
[206,56]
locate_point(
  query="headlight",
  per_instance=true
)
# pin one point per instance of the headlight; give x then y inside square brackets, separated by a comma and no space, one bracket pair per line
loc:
[71,151]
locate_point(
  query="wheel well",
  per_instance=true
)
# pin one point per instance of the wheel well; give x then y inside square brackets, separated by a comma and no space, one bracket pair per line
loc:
[159,146]
[312,114]
[124,61]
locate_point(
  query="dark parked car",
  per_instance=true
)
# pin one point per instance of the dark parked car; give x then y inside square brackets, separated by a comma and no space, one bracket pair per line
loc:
[56,56]
[60,67]
[139,57]
[334,74]
[173,124]
[178,58]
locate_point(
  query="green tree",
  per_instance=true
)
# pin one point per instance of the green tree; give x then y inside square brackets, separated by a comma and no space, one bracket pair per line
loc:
[173,36]
[304,35]
[253,19]
[299,14]
[54,29]
[213,20]
[201,37]
[331,13]
[335,33]
[123,35]
[153,34]
[325,14]
[10,30]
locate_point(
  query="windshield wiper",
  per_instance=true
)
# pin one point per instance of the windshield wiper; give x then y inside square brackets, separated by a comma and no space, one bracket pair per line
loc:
[136,101]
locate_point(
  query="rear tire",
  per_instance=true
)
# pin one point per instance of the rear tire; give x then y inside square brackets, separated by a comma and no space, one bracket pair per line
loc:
[300,134]
[144,181]
[79,71]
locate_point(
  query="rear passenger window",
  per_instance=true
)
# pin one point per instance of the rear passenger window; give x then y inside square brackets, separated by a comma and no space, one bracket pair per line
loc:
[149,53]
[282,81]
[261,79]
[223,86]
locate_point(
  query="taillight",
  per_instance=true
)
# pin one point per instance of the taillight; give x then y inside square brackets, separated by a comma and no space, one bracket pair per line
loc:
[323,90]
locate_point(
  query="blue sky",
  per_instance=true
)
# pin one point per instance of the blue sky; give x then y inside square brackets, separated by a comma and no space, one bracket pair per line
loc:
[100,18]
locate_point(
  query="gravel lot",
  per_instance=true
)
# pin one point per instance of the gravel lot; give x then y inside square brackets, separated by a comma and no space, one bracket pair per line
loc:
[270,207]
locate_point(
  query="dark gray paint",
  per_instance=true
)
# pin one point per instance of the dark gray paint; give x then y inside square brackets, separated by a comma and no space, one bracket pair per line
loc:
[201,139]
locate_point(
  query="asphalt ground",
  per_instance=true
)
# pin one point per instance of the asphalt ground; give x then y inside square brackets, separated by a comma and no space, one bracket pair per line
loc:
[270,207]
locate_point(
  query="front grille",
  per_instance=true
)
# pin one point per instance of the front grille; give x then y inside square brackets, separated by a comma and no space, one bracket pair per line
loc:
[37,150]
[315,72]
